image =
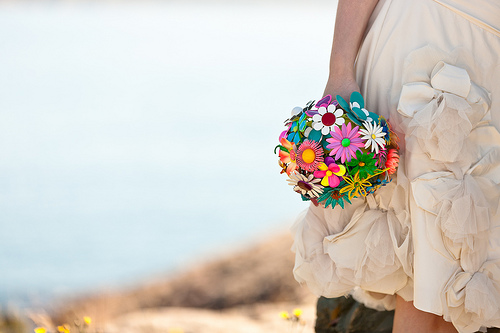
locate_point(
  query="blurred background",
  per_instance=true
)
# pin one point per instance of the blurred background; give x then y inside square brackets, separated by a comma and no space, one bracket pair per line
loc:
[137,137]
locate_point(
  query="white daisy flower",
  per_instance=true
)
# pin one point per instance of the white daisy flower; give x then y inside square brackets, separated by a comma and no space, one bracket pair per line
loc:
[326,119]
[355,105]
[373,135]
[305,185]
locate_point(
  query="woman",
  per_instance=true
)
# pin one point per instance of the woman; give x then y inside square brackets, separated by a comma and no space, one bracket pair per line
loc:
[428,244]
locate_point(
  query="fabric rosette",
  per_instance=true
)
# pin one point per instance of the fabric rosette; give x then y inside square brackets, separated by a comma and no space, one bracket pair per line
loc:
[334,150]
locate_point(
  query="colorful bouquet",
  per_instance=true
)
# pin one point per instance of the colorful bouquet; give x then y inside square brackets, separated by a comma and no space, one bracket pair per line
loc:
[334,151]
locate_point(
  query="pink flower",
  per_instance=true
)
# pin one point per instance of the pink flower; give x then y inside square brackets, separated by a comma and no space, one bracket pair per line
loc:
[330,172]
[344,143]
[309,155]
[285,132]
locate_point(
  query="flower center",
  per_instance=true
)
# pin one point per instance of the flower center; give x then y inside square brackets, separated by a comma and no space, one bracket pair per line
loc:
[336,195]
[361,164]
[308,155]
[303,185]
[328,119]
[346,142]
[374,136]
[329,173]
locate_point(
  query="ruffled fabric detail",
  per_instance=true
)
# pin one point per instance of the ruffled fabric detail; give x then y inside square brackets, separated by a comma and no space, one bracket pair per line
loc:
[460,208]
[473,298]
[368,245]
[373,300]
[453,163]
[443,111]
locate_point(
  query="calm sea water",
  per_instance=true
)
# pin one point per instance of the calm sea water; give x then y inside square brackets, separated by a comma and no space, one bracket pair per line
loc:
[137,138]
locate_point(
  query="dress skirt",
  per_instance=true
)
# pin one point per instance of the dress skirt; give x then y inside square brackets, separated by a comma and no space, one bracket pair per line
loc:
[431,236]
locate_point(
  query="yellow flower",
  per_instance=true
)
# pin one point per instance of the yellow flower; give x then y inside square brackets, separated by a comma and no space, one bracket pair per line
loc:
[63,329]
[355,186]
[87,320]
[40,330]
[297,312]
[284,315]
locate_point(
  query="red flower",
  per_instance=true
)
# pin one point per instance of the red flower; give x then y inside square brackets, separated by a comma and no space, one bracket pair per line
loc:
[392,161]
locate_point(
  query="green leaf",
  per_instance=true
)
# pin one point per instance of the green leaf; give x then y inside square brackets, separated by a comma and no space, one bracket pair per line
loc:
[281,148]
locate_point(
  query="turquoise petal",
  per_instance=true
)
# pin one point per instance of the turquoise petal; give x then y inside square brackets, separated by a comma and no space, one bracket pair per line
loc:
[315,135]
[352,116]
[329,202]
[357,97]
[343,104]
[359,114]
[303,122]
[294,137]
[341,203]
[302,126]
[374,116]
[325,143]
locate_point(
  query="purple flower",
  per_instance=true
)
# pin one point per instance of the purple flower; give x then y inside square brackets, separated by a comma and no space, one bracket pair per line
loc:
[344,143]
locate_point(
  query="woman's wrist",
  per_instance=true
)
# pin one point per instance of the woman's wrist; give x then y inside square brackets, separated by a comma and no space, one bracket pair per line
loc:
[342,85]
[345,73]
[350,24]
[342,63]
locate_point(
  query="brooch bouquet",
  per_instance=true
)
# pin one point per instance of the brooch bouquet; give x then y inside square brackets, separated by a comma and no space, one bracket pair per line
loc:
[334,151]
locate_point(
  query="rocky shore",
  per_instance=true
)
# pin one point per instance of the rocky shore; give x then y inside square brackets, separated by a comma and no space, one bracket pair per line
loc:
[245,291]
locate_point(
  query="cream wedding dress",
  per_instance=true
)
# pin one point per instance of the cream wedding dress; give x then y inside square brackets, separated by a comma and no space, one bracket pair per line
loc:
[433,234]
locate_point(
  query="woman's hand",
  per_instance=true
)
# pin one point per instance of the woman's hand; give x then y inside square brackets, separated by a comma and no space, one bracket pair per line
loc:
[343,86]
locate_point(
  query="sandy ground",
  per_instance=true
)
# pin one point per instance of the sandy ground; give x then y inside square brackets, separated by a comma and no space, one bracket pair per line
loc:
[243,291]
[246,319]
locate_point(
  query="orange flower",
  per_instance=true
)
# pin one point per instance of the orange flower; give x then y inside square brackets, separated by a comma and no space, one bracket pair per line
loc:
[288,155]
[392,161]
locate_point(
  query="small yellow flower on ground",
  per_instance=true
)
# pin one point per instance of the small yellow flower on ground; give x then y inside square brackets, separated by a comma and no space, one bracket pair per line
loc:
[284,315]
[87,320]
[40,330]
[63,329]
[297,312]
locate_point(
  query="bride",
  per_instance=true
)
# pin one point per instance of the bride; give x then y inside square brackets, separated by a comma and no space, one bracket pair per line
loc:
[432,252]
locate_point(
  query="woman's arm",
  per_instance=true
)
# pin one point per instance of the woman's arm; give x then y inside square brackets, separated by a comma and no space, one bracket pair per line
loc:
[350,24]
